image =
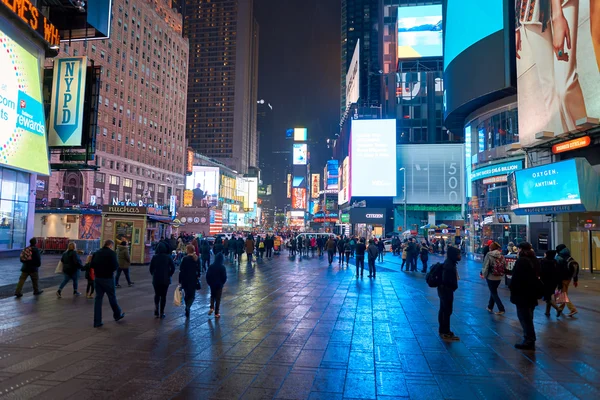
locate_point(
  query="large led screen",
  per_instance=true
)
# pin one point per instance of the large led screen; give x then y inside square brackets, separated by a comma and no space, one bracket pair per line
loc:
[298,199]
[373,149]
[204,184]
[22,119]
[420,31]
[558,64]
[300,154]
[332,175]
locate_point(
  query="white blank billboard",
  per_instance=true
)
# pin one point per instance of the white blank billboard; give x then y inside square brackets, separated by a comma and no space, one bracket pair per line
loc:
[373,168]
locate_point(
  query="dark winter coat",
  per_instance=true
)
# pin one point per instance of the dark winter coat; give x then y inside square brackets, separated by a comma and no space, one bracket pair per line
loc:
[105,263]
[71,262]
[216,276]
[189,272]
[524,283]
[566,271]
[449,270]
[32,265]
[360,249]
[372,251]
[123,256]
[162,266]
[549,276]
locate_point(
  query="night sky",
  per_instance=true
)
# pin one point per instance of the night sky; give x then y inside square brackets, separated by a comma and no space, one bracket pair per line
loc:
[299,74]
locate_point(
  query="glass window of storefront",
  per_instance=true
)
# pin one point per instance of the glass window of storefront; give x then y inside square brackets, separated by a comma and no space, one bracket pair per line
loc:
[14,196]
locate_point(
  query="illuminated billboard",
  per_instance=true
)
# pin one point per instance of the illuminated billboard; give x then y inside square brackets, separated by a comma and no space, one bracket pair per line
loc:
[204,183]
[298,199]
[420,31]
[300,134]
[558,65]
[373,148]
[300,154]
[353,77]
[22,119]
[315,185]
[289,186]
[344,173]
[332,175]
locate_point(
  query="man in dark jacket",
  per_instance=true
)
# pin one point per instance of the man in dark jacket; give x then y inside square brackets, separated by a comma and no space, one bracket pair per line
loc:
[411,255]
[30,268]
[381,249]
[162,269]
[216,276]
[524,288]
[360,257]
[330,246]
[372,254]
[172,243]
[105,263]
[446,293]
[568,269]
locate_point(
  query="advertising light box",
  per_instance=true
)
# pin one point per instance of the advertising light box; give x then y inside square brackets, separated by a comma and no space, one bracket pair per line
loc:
[204,184]
[300,134]
[373,150]
[22,119]
[332,175]
[300,154]
[298,199]
[315,185]
[420,31]
[496,170]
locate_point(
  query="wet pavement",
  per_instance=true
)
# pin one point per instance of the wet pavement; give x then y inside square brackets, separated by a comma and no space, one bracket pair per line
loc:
[297,329]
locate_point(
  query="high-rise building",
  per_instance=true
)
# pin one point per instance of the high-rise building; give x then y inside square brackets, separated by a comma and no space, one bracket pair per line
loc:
[141,144]
[222,89]
[360,21]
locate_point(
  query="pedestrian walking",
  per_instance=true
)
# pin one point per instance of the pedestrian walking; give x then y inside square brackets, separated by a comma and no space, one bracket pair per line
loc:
[189,275]
[205,255]
[411,255]
[269,244]
[347,251]
[90,276]
[360,249]
[494,267]
[404,257]
[446,289]
[249,248]
[226,248]
[261,247]
[162,269]
[216,276]
[105,263]
[381,249]
[443,246]
[30,263]
[424,256]
[524,289]
[372,254]
[550,279]
[124,263]
[340,249]
[71,266]
[330,246]
[218,247]
[241,245]
[568,270]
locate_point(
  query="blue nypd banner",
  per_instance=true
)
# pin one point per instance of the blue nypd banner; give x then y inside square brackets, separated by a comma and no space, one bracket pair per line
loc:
[66,108]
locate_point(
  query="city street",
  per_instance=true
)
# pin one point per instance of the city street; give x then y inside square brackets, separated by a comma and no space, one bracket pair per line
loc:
[296,329]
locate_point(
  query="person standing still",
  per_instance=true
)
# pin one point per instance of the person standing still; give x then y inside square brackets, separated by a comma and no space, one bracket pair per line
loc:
[105,263]
[162,269]
[360,257]
[31,261]
[216,276]
[381,249]
[446,293]
[124,263]
[372,253]
[424,256]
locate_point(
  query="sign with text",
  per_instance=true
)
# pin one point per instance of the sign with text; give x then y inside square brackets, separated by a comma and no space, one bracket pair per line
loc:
[65,128]
[574,144]
[28,13]
[373,216]
[496,169]
[315,185]
[189,165]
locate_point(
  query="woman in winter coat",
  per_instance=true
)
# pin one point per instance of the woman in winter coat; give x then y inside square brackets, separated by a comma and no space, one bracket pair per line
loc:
[71,266]
[189,273]
[162,269]
[249,247]
[404,248]
[493,269]
[216,276]
[124,263]
[524,288]
[549,277]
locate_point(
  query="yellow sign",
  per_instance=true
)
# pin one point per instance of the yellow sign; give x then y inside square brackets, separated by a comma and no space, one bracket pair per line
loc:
[188,198]
[315,185]
[289,186]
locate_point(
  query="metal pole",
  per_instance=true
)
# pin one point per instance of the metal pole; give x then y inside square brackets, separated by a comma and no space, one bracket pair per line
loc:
[405,220]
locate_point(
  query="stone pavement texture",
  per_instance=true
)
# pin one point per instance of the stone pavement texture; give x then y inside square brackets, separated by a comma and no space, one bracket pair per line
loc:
[295,329]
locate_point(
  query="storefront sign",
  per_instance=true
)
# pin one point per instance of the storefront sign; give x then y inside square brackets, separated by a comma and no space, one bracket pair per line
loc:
[29,14]
[315,185]
[189,169]
[172,205]
[571,145]
[124,210]
[65,128]
[495,179]
[345,218]
[374,216]
[128,203]
[496,169]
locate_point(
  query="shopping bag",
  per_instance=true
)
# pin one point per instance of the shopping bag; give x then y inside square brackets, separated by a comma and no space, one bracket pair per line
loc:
[59,268]
[177,296]
[561,297]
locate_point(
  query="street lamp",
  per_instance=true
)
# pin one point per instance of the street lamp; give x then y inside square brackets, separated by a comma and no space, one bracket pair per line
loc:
[404,190]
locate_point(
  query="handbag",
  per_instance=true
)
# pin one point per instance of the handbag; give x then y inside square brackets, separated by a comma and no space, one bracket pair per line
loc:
[59,268]
[561,297]
[177,296]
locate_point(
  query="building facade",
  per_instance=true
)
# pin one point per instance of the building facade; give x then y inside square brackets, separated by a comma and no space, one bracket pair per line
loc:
[140,145]
[223,74]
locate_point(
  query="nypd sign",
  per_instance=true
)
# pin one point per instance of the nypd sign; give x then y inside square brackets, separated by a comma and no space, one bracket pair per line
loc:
[66,107]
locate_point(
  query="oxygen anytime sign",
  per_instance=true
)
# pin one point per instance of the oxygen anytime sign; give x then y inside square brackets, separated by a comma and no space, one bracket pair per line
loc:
[66,108]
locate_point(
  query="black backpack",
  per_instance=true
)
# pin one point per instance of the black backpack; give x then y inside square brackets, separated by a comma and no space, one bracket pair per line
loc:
[434,276]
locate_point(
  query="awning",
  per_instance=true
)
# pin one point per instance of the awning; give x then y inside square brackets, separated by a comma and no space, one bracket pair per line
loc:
[159,218]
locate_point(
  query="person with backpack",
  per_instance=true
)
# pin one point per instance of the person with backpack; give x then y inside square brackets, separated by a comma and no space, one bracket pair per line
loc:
[372,254]
[71,266]
[568,270]
[31,261]
[524,293]
[446,275]
[494,266]
[216,276]
[361,248]
[549,277]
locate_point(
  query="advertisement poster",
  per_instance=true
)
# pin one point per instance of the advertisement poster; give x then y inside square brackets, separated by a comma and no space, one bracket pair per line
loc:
[300,154]
[353,77]
[289,186]
[315,185]
[90,226]
[300,134]
[332,175]
[373,143]
[204,184]
[22,120]
[558,62]
[420,31]
[298,199]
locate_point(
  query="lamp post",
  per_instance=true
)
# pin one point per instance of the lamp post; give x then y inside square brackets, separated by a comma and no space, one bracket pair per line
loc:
[404,190]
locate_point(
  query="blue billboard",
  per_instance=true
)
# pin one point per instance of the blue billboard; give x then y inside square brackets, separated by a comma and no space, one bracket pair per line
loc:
[550,188]
[496,169]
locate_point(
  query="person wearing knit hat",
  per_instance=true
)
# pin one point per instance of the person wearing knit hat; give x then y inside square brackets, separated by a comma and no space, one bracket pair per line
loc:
[486,248]
[493,269]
